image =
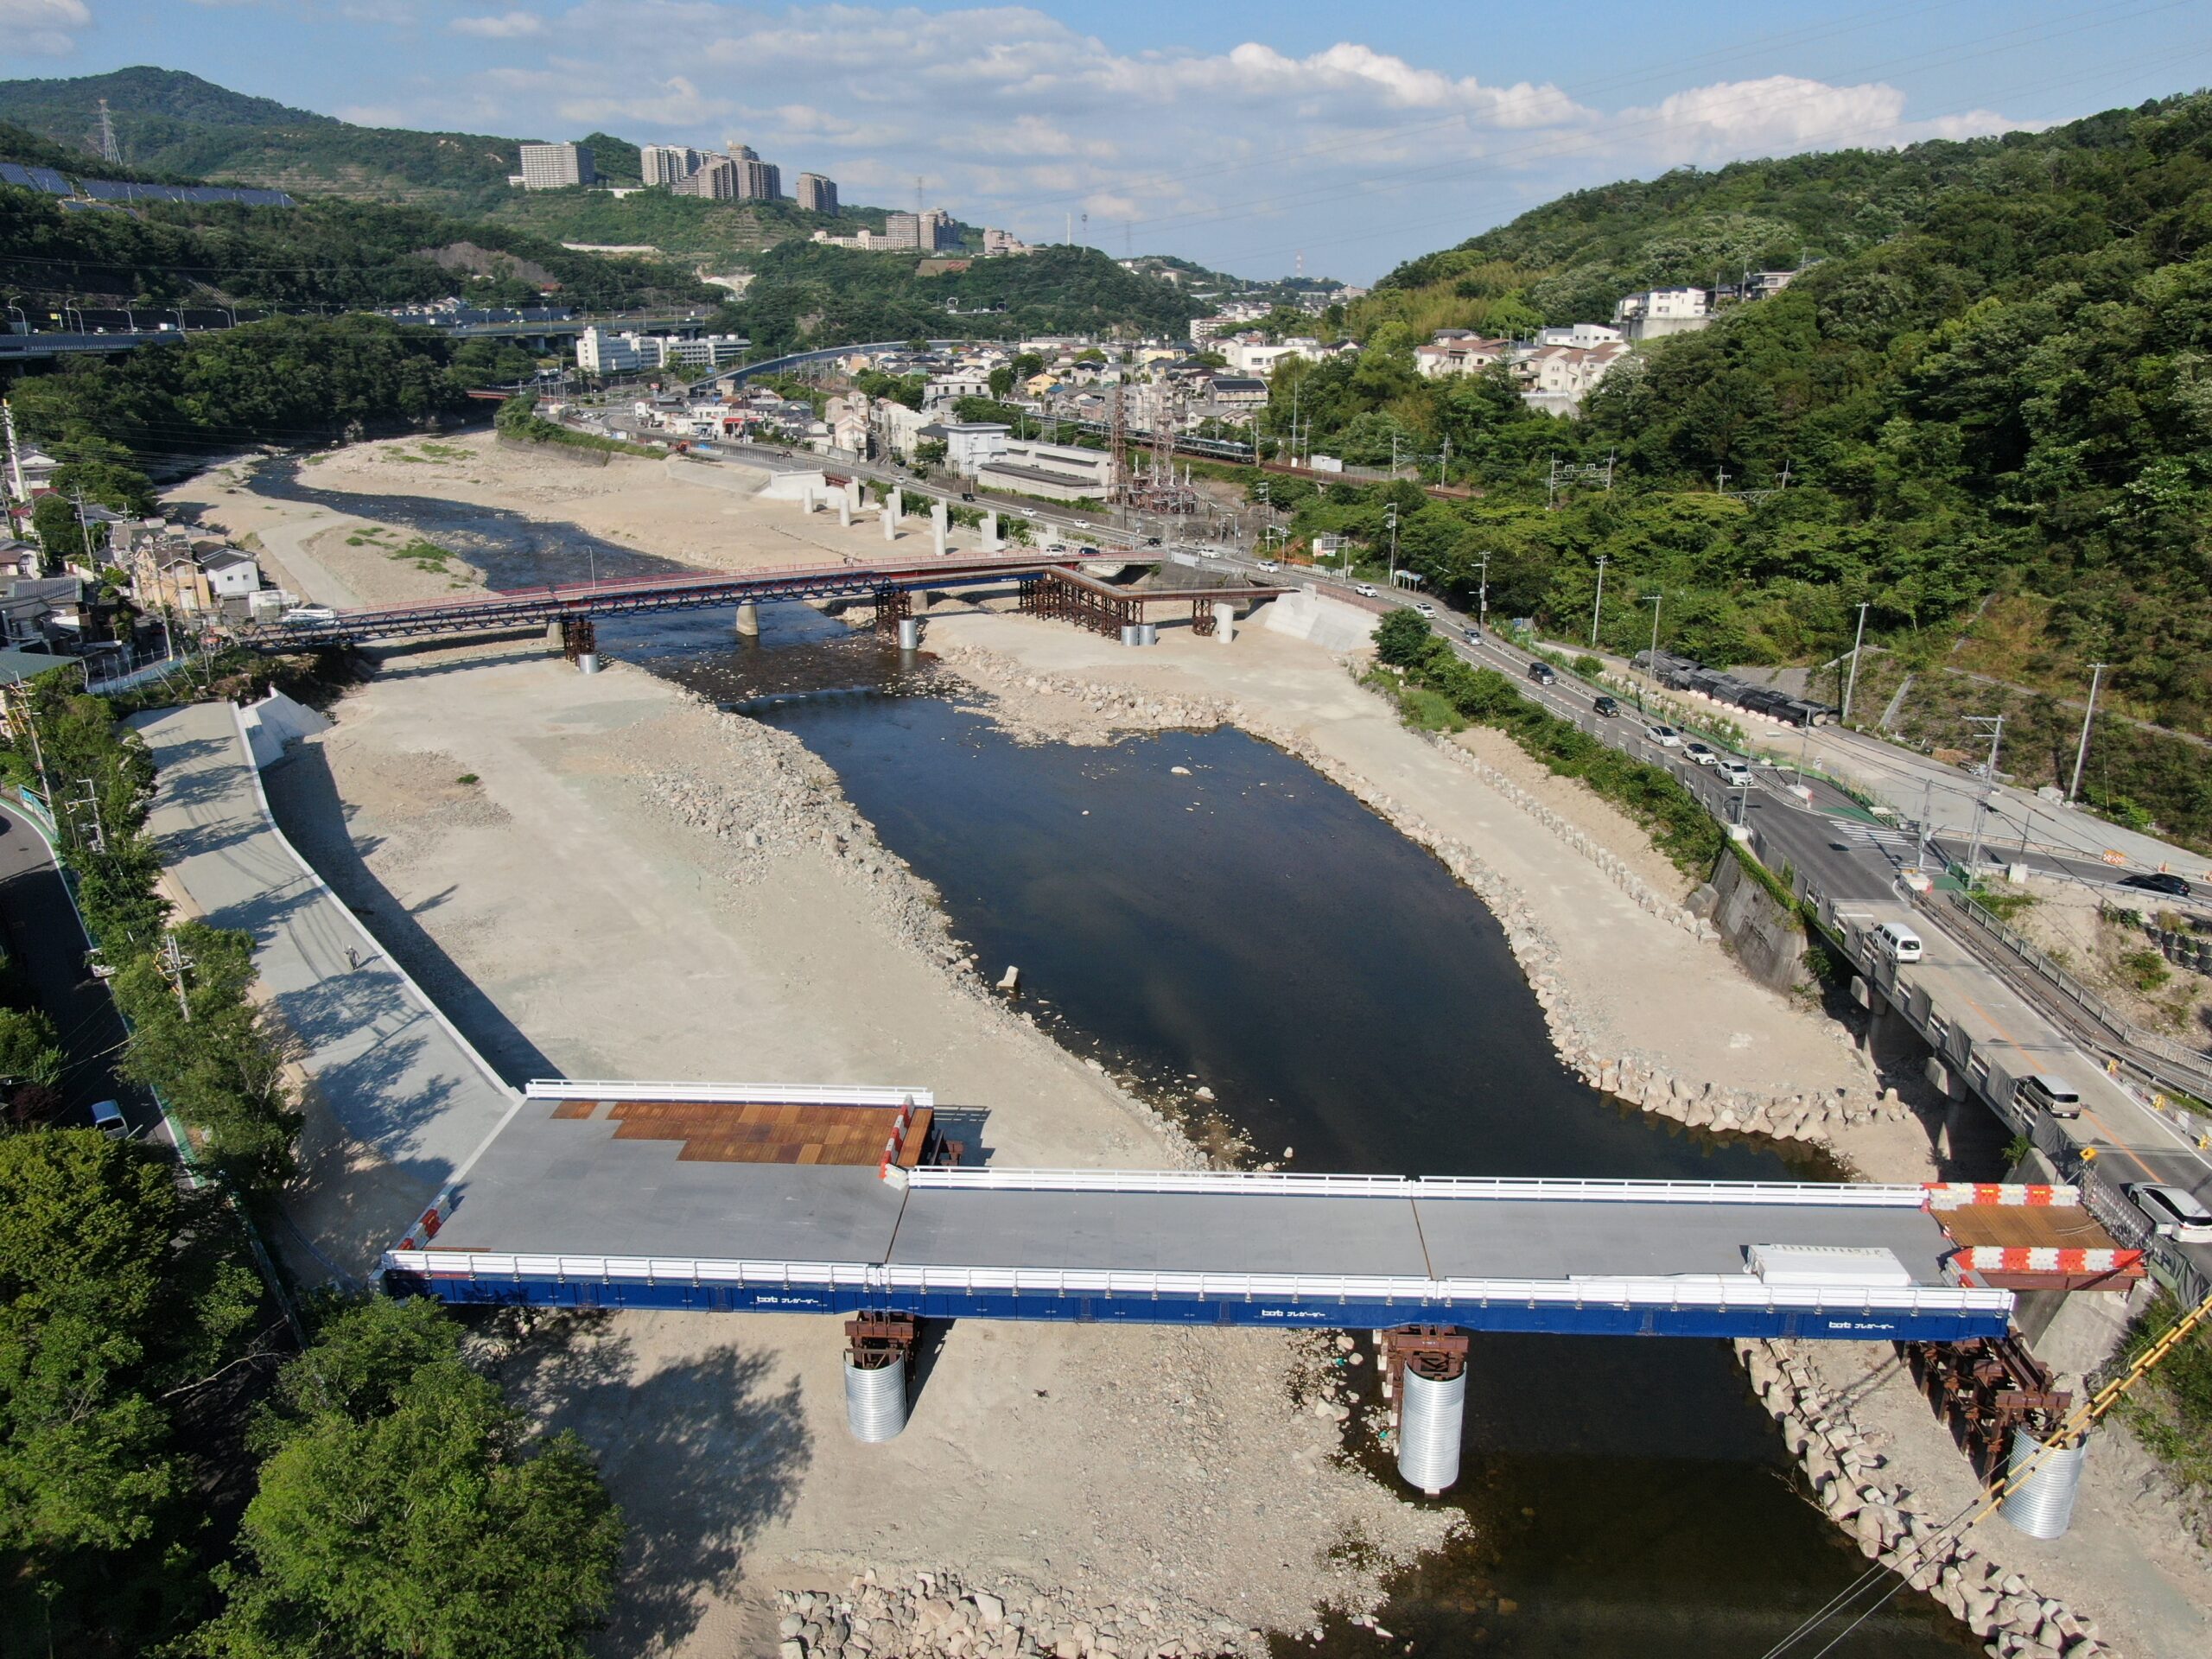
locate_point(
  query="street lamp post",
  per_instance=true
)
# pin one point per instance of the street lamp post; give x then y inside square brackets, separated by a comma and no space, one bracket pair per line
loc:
[1996,724]
[1651,663]
[1598,605]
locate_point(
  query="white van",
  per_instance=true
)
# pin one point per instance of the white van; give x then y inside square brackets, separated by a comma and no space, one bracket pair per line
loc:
[1898,942]
[2040,1091]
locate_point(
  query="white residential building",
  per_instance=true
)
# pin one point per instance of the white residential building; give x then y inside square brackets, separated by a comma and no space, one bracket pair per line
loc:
[1658,312]
[969,446]
[1459,351]
[1582,334]
[552,167]
[943,390]
[1555,378]
[599,351]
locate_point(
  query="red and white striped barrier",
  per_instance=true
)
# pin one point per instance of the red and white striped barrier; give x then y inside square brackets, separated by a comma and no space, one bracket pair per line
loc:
[897,1142]
[427,1226]
[1960,1195]
[2021,1258]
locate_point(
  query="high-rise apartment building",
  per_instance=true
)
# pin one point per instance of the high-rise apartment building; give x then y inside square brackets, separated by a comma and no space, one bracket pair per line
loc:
[667,163]
[927,231]
[757,181]
[817,194]
[716,178]
[552,167]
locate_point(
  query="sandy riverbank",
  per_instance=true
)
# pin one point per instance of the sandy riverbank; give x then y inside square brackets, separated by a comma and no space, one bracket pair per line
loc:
[634,885]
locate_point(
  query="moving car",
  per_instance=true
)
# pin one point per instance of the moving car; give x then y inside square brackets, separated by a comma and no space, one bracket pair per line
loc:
[1898,942]
[108,1119]
[1734,773]
[1426,610]
[2173,1212]
[1366,592]
[2160,882]
[1665,736]
[1605,707]
[1474,634]
[1702,755]
[1269,564]
[1543,674]
[2040,1091]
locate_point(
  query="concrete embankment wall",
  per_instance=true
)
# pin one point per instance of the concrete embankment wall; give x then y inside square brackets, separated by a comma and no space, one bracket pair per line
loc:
[1767,940]
[1329,623]
[575,452]
[274,724]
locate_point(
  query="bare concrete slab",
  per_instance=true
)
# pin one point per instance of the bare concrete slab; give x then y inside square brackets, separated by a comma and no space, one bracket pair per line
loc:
[397,1103]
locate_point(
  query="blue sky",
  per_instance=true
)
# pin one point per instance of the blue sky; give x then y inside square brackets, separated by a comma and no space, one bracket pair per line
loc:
[1240,136]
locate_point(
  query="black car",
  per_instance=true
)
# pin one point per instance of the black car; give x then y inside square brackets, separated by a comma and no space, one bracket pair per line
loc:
[1605,707]
[2160,882]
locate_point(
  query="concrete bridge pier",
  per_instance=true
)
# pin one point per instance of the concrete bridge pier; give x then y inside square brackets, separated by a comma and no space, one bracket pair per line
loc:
[894,505]
[879,1367]
[844,511]
[991,542]
[1425,1378]
[858,490]
[1224,621]
[940,524]
[556,638]
[748,621]
[806,498]
[917,601]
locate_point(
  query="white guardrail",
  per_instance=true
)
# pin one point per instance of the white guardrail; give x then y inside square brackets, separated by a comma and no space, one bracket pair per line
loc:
[1695,1290]
[734,1094]
[1257,1184]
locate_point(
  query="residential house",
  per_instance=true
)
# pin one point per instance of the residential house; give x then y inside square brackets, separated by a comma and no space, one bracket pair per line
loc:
[18,559]
[41,612]
[30,473]
[1555,378]
[969,446]
[1459,351]
[1237,392]
[943,390]
[1659,312]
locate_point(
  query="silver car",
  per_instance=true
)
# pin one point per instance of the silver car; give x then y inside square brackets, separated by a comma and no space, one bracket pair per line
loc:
[2173,1213]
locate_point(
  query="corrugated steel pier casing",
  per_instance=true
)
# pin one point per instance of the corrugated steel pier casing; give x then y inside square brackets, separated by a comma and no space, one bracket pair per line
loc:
[2042,1505]
[1429,1421]
[876,1401]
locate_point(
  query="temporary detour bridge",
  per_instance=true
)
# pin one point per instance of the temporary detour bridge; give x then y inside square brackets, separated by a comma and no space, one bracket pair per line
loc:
[848,1201]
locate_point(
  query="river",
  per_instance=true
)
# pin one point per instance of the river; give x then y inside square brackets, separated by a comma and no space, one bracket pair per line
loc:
[1244,924]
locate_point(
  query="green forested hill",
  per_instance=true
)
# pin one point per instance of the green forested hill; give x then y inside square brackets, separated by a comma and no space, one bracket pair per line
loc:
[1992,400]
[807,294]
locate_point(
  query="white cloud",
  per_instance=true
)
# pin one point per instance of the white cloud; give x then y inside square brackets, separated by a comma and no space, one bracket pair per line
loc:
[508,26]
[1237,157]
[45,29]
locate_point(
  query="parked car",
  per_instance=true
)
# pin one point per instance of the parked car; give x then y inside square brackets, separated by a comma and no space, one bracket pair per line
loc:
[1665,736]
[1605,707]
[1543,674]
[2173,1213]
[108,1119]
[2160,882]
[1702,755]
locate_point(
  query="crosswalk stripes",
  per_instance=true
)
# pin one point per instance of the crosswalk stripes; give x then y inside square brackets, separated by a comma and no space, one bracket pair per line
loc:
[1895,841]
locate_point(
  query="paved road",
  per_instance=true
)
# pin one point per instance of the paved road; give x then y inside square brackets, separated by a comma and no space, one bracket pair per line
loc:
[398,1102]
[45,937]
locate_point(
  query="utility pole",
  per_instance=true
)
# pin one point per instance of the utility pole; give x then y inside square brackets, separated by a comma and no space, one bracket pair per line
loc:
[1996,724]
[109,150]
[1927,810]
[1482,602]
[2081,750]
[174,962]
[90,801]
[1651,663]
[84,529]
[1444,461]
[16,492]
[1851,683]
[29,717]
[1390,519]
[1598,605]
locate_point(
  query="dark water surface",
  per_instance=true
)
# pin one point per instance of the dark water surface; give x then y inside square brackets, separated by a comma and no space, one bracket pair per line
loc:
[1252,927]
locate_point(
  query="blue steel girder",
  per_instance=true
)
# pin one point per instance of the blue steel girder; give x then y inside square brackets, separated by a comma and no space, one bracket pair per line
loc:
[1593,1319]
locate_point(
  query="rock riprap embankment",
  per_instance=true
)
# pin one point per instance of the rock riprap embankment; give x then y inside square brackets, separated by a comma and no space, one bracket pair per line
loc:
[1845,1470]
[939,1613]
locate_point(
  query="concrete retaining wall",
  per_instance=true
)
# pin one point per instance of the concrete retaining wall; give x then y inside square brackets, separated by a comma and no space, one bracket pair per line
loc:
[274,724]
[576,453]
[1766,938]
[1330,623]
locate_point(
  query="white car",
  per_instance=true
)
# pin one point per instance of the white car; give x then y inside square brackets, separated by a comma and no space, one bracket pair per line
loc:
[1735,774]
[307,615]
[2173,1213]
[1702,754]
[1366,592]
[1665,736]
[1426,610]
[1269,564]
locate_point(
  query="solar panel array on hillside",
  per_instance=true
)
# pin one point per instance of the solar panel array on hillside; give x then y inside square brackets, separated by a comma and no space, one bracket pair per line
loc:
[110,190]
[54,184]
[34,178]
